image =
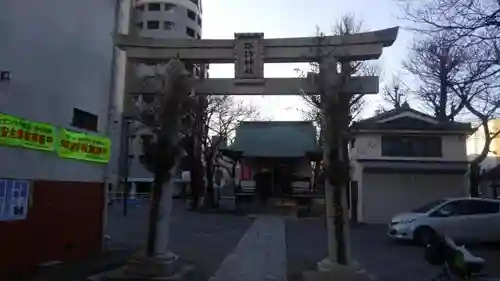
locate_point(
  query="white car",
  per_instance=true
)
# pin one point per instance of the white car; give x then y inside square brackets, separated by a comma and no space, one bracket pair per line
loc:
[462,219]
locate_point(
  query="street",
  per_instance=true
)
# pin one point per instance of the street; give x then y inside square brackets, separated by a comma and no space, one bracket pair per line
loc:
[207,240]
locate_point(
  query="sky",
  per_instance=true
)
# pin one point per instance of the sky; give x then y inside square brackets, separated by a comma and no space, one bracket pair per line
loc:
[299,18]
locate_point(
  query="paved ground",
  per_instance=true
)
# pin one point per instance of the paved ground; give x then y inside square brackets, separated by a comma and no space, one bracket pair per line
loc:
[216,242]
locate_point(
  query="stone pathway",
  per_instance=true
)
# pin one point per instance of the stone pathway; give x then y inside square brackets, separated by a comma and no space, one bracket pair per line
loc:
[260,254]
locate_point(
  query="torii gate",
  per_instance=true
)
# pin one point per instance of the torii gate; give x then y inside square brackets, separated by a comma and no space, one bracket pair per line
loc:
[249,52]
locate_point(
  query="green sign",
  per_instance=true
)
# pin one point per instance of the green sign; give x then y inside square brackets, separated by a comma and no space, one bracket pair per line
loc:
[19,132]
[83,146]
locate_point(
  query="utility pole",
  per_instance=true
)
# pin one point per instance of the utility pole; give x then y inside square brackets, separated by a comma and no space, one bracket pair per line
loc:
[125,163]
[125,140]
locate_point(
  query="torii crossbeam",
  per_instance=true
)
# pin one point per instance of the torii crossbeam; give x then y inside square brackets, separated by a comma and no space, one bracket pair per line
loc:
[249,52]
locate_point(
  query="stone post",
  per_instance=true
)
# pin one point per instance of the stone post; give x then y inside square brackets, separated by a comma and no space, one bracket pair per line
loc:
[327,71]
[335,121]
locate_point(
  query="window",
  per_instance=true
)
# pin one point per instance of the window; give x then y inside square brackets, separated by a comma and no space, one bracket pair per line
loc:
[169,6]
[199,21]
[352,143]
[146,138]
[191,14]
[411,146]
[168,25]
[148,99]
[153,24]
[455,208]
[468,207]
[140,25]
[84,120]
[483,207]
[190,32]
[198,36]
[142,159]
[197,72]
[140,8]
[154,7]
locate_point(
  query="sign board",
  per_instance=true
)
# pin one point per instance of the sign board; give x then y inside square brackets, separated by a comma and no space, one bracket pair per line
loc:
[19,132]
[83,146]
[4,76]
[16,131]
[246,172]
[186,176]
[14,199]
[249,62]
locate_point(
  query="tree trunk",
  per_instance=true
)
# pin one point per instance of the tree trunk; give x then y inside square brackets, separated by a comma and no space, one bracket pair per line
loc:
[209,170]
[196,180]
[475,167]
[474,179]
[443,89]
[154,213]
[317,172]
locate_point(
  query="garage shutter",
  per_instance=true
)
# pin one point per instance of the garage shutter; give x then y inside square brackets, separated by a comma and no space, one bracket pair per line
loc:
[386,195]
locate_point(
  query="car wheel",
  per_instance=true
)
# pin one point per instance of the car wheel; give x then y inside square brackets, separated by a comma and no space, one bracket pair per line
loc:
[423,235]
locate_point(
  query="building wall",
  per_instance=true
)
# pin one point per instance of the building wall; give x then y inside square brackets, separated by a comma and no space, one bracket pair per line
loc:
[373,189]
[368,146]
[178,16]
[59,53]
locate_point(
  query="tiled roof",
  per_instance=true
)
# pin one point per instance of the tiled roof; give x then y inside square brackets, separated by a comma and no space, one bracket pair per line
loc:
[275,138]
[408,122]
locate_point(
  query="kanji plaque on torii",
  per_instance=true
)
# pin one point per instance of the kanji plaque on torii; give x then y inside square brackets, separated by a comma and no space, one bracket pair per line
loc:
[249,63]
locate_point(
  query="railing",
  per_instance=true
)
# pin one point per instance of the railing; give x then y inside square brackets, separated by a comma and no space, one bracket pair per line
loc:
[297,186]
[120,196]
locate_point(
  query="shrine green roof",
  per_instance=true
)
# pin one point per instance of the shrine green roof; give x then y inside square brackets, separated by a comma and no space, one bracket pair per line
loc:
[275,139]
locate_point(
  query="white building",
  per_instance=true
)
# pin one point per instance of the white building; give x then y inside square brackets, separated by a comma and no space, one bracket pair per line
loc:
[166,19]
[169,19]
[402,159]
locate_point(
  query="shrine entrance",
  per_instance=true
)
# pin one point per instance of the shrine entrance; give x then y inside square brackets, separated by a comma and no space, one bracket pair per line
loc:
[249,52]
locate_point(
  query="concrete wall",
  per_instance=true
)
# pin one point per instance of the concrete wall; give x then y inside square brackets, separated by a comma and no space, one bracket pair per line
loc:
[368,146]
[59,53]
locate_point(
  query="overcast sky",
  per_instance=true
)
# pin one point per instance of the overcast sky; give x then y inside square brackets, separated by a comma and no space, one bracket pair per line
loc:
[298,18]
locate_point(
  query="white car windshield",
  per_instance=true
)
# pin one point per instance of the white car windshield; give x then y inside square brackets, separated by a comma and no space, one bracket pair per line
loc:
[427,207]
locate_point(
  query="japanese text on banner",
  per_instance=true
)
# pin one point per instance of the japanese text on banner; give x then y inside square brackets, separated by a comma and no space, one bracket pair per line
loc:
[15,131]
[83,146]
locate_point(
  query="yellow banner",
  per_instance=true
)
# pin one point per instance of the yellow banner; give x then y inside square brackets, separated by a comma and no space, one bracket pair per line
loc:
[16,131]
[83,146]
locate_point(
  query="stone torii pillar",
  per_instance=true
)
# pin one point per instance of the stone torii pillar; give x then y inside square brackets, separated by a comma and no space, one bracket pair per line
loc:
[249,52]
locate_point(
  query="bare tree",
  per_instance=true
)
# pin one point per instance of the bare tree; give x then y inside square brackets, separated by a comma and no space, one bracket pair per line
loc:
[455,80]
[396,93]
[473,20]
[438,64]
[222,117]
[166,116]
[345,26]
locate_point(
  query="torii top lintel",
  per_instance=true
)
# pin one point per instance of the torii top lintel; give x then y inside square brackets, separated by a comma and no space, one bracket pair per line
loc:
[359,46]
